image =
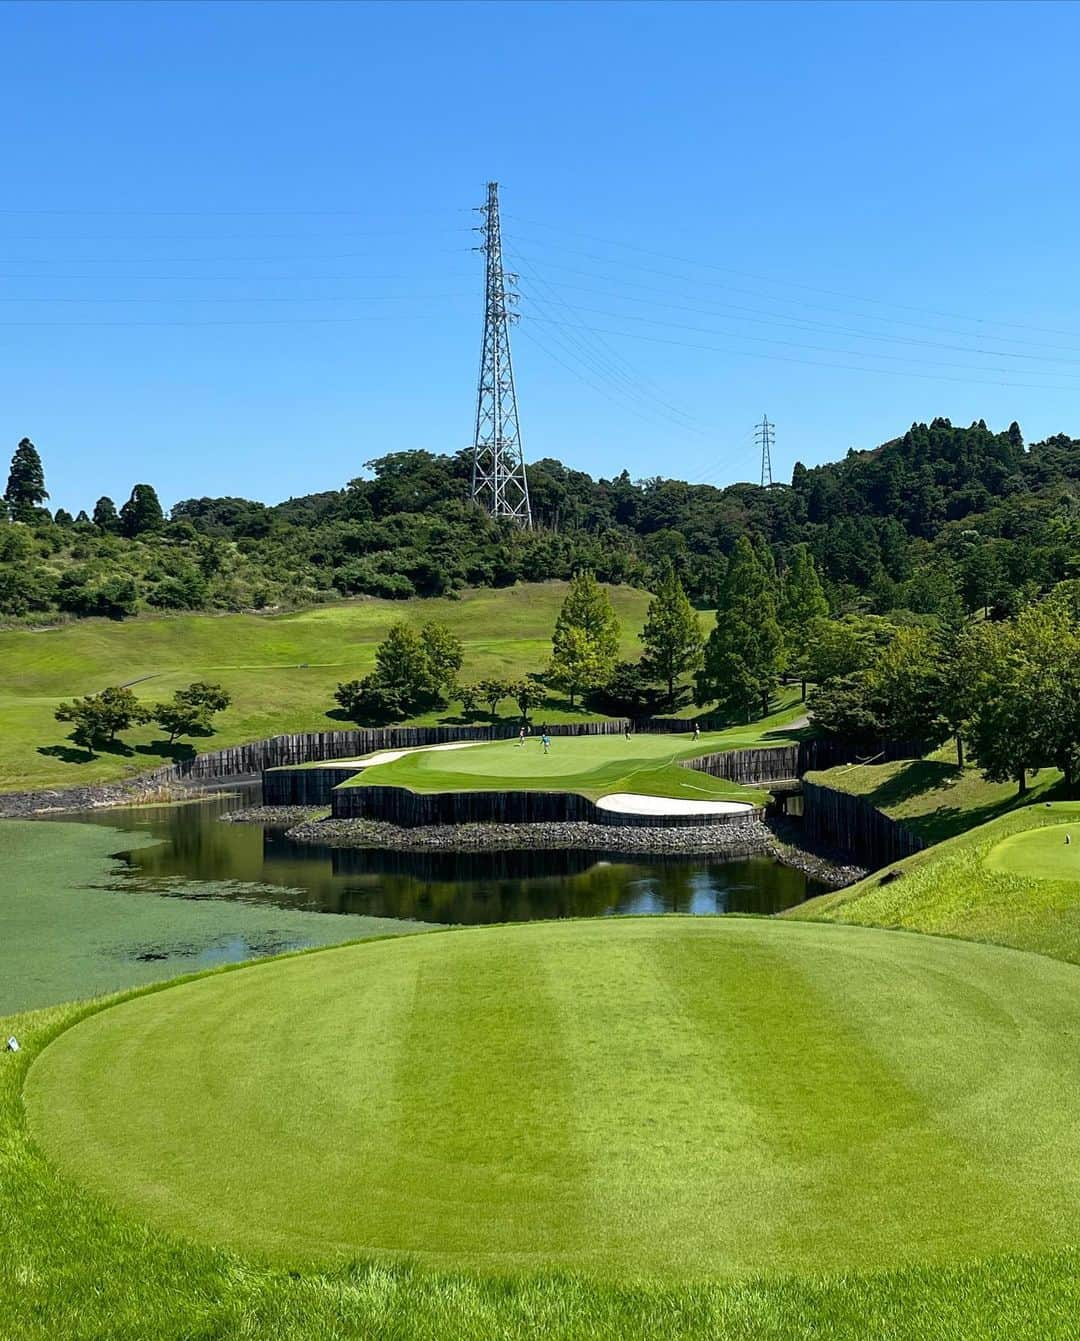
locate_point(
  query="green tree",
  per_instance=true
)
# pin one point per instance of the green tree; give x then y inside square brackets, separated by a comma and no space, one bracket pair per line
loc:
[99,718]
[142,512]
[527,694]
[492,692]
[105,515]
[469,695]
[62,517]
[802,607]
[370,700]
[444,654]
[189,711]
[1026,695]
[401,664]
[744,655]
[849,707]
[585,644]
[26,482]
[672,635]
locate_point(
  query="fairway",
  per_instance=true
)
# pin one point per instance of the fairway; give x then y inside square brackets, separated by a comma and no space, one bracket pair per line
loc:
[592,766]
[668,1097]
[281,670]
[1039,853]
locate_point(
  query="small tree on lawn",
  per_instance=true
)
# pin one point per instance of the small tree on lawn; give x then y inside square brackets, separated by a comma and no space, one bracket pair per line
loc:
[672,635]
[444,654]
[585,644]
[527,694]
[492,692]
[401,664]
[189,711]
[469,695]
[97,719]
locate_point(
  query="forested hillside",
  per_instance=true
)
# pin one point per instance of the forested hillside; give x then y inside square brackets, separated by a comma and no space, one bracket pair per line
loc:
[940,518]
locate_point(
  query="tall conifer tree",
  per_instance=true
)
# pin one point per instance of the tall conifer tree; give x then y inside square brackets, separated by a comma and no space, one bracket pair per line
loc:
[26,482]
[672,635]
[744,655]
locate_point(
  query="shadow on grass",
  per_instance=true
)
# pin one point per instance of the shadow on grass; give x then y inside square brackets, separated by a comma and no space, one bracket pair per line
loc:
[915,778]
[68,754]
[176,751]
[948,821]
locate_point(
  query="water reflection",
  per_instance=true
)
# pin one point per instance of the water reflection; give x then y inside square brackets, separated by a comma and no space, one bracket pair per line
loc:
[261,865]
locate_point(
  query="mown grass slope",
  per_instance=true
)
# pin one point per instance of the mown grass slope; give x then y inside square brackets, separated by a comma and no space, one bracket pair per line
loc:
[668,1097]
[592,766]
[281,670]
[932,796]
[1013,881]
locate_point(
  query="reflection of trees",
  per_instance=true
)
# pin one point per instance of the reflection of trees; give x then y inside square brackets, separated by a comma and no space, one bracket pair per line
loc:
[247,862]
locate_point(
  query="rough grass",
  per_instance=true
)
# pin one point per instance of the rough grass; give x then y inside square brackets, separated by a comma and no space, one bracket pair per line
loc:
[1011,882]
[932,796]
[592,766]
[71,1266]
[66,934]
[281,670]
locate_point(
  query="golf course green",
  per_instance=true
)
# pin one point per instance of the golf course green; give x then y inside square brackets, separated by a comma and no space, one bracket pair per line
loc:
[591,766]
[665,1097]
[1050,853]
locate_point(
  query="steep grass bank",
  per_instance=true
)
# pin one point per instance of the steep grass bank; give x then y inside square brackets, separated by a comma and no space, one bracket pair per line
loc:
[933,797]
[979,886]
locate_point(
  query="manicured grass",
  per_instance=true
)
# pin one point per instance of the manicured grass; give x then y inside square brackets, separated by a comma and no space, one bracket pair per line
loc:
[674,1098]
[933,797]
[281,670]
[73,1267]
[67,934]
[1012,882]
[591,766]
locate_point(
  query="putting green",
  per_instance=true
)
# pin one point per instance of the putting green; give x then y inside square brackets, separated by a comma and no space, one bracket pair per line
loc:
[590,765]
[1041,853]
[664,1096]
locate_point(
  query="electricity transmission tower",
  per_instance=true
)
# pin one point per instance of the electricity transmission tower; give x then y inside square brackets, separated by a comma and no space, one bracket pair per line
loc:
[765,436]
[499,482]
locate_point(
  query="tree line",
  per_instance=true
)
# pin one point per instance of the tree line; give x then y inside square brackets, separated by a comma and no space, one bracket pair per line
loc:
[942,516]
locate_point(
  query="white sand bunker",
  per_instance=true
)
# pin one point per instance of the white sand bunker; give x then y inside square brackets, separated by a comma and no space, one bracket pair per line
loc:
[388,756]
[633,803]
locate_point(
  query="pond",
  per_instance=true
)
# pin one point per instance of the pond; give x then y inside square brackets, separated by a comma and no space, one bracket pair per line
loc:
[260,865]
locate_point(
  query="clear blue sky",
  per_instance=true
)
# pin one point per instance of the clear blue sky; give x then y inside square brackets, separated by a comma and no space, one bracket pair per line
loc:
[236,251]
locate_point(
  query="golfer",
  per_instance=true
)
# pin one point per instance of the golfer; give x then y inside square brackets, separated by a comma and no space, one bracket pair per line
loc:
[522,734]
[545,740]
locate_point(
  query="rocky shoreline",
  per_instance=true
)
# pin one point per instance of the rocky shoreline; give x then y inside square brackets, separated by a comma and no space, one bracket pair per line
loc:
[752,838]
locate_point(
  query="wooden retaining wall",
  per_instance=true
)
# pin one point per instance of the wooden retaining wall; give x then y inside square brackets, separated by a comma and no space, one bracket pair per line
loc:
[844,820]
[412,810]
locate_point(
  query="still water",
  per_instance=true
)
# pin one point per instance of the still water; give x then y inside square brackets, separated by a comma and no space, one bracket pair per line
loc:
[260,865]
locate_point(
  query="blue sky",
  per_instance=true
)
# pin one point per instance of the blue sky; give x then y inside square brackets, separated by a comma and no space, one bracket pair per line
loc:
[235,246]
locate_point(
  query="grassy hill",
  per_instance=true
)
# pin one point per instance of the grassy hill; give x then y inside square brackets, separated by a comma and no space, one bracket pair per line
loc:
[1013,881]
[931,796]
[281,670]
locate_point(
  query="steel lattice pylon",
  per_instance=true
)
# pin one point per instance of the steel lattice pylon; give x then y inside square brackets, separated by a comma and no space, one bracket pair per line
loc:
[499,482]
